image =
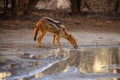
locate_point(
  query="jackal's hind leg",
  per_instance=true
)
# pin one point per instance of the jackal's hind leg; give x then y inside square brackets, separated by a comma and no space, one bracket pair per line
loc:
[53,41]
[39,40]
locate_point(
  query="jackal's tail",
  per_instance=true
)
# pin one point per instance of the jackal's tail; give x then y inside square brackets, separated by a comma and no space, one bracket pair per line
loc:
[35,33]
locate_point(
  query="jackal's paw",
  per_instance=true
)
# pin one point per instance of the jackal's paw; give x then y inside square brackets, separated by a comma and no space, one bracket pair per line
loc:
[53,46]
[41,45]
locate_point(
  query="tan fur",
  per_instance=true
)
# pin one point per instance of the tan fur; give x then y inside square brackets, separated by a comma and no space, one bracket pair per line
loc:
[59,31]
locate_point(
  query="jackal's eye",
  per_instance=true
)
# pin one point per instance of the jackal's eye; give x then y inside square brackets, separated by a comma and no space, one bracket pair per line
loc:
[68,38]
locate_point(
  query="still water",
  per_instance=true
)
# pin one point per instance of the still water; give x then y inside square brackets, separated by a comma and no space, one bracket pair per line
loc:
[81,64]
[87,64]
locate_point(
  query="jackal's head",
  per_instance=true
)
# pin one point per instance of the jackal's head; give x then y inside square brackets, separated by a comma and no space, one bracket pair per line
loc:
[68,36]
[72,40]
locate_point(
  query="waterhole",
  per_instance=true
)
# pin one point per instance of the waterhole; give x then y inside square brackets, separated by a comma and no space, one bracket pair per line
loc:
[69,64]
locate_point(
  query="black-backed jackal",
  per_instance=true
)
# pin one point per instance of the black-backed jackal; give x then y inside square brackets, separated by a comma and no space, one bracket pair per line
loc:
[46,24]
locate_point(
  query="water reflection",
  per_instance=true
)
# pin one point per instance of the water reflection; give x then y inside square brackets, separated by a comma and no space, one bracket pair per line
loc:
[3,75]
[81,64]
[93,60]
[101,61]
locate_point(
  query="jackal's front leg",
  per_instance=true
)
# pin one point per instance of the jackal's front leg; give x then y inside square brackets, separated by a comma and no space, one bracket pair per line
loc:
[58,41]
[39,40]
[53,41]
